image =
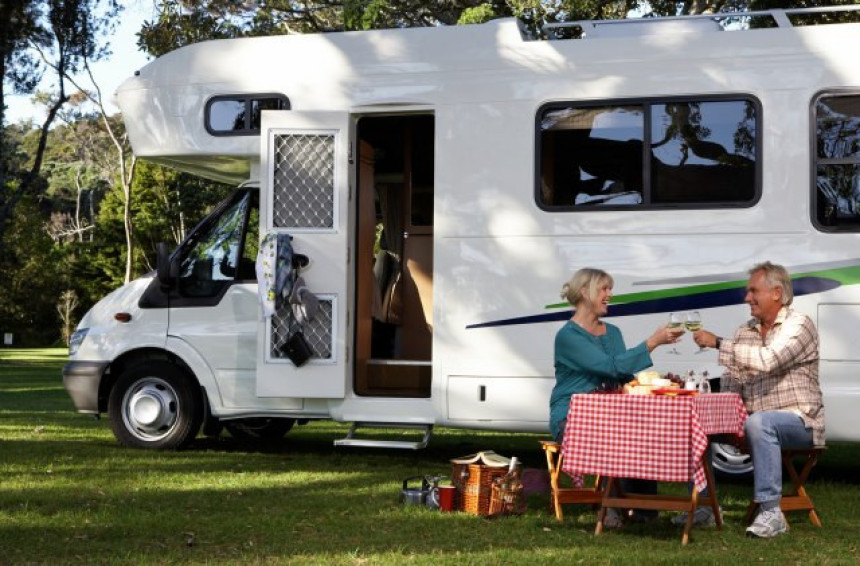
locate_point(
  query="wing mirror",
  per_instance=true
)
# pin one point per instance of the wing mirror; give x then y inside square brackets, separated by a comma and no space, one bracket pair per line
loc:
[166,269]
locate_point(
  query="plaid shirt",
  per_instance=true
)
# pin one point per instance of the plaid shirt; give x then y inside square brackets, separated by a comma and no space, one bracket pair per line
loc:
[779,372]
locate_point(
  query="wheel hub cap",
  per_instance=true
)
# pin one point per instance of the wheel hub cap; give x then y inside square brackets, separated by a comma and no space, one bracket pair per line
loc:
[151,408]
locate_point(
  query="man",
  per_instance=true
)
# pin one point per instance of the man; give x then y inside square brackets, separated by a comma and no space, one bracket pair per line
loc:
[772,362]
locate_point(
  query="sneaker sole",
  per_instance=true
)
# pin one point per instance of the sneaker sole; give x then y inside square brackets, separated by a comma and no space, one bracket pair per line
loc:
[753,534]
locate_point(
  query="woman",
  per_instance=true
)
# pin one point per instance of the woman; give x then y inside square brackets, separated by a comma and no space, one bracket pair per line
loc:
[591,354]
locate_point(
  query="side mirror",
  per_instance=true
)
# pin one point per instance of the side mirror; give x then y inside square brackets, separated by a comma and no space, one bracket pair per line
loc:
[164,268]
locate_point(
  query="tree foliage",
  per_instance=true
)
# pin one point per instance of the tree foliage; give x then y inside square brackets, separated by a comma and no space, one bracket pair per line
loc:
[180,23]
[60,35]
[64,200]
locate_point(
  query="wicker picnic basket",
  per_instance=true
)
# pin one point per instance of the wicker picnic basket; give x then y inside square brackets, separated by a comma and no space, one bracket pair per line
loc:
[474,483]
[506,501]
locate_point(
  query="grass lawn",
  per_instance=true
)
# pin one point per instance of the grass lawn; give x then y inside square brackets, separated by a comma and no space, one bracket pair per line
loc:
[69,493]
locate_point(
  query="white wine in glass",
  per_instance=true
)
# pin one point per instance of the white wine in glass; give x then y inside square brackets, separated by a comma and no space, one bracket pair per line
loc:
[694,323]
[676,320]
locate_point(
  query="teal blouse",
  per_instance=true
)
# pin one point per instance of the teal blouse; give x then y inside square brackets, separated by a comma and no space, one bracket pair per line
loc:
[584,361]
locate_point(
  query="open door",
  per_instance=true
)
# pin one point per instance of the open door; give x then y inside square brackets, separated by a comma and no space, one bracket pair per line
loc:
[304,192]
[394,256]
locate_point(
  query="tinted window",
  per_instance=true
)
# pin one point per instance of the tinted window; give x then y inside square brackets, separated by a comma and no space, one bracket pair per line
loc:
[703,152]
[652,154]
[240,115]
[227,115]
[836,205]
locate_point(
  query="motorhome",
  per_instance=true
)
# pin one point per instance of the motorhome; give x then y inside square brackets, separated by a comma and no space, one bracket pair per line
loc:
[444,183]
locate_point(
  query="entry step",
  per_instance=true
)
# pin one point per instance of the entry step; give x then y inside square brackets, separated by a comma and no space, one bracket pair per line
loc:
[351,440]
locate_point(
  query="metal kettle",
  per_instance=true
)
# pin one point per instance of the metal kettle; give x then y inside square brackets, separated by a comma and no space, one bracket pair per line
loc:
[412,494]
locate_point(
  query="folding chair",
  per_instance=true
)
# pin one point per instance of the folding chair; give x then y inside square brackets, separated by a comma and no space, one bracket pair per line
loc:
[797,499]
[562,495]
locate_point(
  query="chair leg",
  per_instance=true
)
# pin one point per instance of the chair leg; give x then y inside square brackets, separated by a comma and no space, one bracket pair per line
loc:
[798,499]
[577,494]
[553,464]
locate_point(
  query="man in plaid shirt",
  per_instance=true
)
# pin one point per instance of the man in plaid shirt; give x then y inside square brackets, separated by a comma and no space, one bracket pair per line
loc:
[772,362]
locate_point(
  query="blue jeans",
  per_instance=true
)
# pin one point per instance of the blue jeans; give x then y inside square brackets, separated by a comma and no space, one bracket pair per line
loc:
[769,432]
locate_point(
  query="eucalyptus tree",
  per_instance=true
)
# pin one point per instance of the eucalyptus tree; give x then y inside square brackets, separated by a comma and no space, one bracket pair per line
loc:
[37,36]
[180,23]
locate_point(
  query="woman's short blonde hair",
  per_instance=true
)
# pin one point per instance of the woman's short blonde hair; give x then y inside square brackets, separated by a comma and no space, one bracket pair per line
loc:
[775,276]
[584,285]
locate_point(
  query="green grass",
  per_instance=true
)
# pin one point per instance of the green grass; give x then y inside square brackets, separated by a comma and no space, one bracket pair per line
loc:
[69,493]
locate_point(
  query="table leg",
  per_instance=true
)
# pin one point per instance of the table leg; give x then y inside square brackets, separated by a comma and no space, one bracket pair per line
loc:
[712,491]
[608,489]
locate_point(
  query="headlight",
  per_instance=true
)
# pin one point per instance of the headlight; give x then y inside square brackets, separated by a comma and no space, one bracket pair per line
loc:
[76,340]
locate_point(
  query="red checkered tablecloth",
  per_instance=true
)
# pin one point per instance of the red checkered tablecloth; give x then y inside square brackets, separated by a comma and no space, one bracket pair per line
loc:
[655,437]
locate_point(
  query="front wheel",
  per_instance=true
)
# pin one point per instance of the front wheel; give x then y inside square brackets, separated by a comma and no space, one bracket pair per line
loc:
[155,405]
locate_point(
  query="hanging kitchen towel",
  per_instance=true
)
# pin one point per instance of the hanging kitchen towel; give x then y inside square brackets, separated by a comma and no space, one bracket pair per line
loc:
[274,269]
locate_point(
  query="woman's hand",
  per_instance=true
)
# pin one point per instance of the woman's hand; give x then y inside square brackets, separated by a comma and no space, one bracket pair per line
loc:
[664,335]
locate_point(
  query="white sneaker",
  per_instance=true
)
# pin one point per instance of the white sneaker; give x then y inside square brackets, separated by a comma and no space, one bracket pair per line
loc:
[702,516]
[768,524]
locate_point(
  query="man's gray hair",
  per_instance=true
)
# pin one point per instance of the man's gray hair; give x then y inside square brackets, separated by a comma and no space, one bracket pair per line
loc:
[776,275]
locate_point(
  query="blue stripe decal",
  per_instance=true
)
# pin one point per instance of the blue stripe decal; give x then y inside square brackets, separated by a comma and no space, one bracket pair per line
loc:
[697,301]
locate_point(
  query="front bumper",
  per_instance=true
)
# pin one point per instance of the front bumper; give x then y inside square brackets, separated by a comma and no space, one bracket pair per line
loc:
[81,380]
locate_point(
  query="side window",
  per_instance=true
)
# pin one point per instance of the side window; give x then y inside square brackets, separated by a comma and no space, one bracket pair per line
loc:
[655,154]
[703,152]
[210,259]
[836,162]
[239,115]
[592,155]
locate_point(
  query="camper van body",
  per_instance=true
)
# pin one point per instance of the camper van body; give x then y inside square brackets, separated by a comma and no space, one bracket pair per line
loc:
[462,132]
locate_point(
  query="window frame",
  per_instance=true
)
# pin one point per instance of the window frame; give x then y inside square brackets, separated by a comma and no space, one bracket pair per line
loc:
[647,103]
[814,161]
[248,100]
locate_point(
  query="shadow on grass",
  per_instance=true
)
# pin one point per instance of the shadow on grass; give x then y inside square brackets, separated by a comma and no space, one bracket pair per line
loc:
[225,499]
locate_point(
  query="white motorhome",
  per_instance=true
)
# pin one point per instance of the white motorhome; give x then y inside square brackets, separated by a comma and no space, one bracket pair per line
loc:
[445,182]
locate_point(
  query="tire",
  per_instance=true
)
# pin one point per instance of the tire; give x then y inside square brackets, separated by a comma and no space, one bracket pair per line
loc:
[730,461]
[155,405]
[262,428]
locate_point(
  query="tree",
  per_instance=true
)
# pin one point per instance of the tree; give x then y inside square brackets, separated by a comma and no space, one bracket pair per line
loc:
[57,34]
[180,23]
[126,161]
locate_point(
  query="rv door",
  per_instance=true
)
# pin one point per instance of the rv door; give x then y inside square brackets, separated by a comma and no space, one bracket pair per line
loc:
[304,189]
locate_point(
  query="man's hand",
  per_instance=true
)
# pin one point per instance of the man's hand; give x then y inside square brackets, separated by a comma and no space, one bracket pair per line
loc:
[705,339]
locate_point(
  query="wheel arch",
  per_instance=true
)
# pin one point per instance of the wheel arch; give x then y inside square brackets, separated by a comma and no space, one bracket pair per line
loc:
[133,357]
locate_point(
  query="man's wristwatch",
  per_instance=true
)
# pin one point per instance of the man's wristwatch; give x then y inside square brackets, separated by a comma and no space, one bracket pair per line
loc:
[718,342]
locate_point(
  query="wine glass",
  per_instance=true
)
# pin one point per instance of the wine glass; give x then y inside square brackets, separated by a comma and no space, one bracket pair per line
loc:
[694,323]
[676,320]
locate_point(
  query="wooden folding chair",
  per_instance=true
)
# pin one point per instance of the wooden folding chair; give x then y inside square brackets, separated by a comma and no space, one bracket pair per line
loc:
[562,495]
[797,499]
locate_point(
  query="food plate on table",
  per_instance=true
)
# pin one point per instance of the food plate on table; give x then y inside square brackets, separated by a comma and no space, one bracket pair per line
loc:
[673,391]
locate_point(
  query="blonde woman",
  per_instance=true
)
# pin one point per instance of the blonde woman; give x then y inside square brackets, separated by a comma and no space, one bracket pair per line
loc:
[590,353]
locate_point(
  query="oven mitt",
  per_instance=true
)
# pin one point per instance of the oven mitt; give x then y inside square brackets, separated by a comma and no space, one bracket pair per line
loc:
[304,303]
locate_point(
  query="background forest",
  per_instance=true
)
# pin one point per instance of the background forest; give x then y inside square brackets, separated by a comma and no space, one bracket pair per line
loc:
[79,215]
